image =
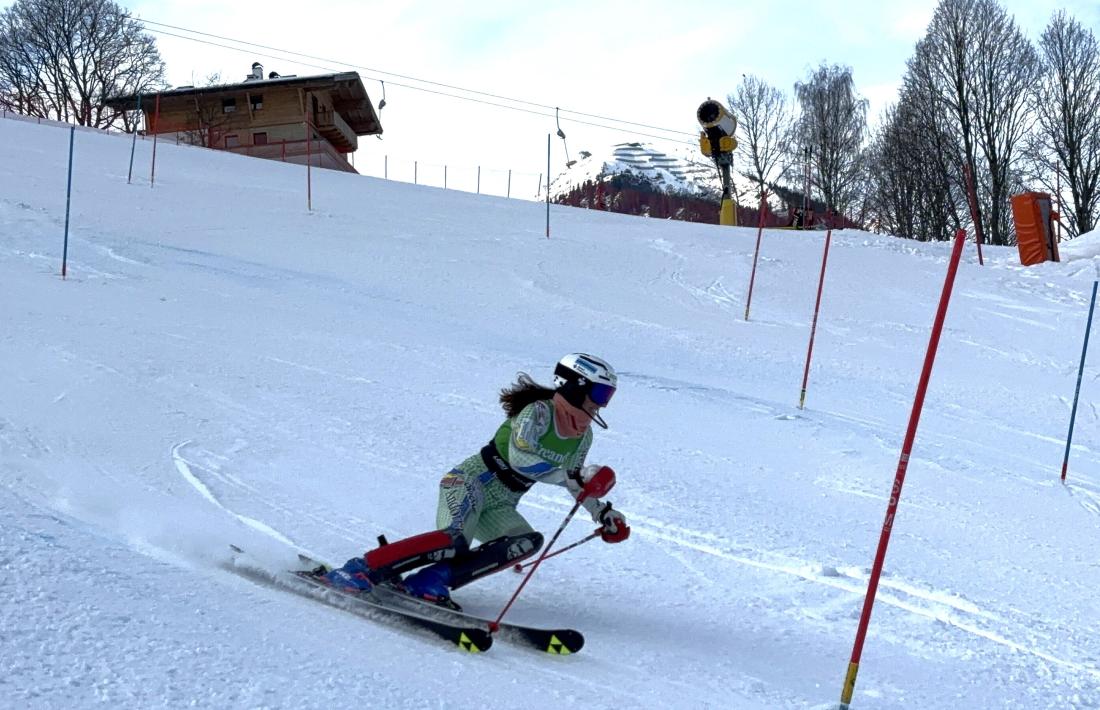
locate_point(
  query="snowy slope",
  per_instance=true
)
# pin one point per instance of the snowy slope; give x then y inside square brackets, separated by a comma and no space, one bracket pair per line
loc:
[222,365]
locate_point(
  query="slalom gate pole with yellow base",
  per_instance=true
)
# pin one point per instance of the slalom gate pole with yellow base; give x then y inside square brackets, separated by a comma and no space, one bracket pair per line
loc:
[756,254]
[813,325]
[899,478]
[727,217]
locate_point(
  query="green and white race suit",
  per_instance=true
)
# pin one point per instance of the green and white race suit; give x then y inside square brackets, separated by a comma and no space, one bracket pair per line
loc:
[478,500]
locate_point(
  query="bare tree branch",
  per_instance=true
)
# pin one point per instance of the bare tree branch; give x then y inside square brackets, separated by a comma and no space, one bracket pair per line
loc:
[765,120]
[61,59]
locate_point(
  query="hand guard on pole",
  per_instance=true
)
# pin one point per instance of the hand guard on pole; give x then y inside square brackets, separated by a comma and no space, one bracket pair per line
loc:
[613,523]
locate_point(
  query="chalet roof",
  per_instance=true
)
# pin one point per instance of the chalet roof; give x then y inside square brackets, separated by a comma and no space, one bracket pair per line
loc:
[349,96]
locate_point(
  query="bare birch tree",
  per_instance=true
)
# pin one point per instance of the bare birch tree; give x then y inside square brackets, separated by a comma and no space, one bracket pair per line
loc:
[765,119]
[833,125]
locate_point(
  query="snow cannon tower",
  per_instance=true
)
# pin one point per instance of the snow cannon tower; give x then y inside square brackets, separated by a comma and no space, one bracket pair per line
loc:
[717,142]
[1035,218]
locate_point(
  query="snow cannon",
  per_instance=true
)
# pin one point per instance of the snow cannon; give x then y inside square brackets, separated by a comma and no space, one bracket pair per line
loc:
[718,142]
[716,121]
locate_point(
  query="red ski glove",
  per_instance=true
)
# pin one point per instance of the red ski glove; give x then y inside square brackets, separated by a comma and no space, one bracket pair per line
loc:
[614,524]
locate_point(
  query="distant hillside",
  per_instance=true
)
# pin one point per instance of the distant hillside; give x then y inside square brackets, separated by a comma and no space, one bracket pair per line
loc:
[636,178]
[639,179]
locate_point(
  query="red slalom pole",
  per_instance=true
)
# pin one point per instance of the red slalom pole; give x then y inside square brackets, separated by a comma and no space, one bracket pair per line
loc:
[899,479]
[309,164]
[596,487]
[972,198]
[519,567]
[756,254]
[813,326]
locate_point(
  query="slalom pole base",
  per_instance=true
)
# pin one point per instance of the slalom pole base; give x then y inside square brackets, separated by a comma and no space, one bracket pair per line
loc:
[727,216]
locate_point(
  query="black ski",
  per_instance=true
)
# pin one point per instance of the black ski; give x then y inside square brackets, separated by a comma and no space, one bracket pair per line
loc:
[557,642]
[467,636]
[471,637]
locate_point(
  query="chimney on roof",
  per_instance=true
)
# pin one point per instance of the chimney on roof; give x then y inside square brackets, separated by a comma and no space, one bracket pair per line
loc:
[257,72]
[273,75]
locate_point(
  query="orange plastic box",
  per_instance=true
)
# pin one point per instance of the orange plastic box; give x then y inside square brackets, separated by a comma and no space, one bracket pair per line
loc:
[1034,218]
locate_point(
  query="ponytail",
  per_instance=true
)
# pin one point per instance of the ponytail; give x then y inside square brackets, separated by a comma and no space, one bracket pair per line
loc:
[522,393]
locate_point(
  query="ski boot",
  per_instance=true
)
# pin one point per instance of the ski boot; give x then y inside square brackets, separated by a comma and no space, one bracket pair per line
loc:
[354,576]
[431,585]
[385,563]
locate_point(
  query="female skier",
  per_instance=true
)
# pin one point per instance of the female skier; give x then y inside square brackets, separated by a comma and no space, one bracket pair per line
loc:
[545,438]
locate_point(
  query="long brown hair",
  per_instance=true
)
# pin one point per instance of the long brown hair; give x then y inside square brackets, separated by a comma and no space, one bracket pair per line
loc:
[523,392]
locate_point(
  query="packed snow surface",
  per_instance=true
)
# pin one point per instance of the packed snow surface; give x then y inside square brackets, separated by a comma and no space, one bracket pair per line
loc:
[222,365]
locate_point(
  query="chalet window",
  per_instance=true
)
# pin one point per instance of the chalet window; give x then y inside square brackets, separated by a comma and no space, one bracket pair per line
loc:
[257,102]
[259,138]
[229,105]
[232,141]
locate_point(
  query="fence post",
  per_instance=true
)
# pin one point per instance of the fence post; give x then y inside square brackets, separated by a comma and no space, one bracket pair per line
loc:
[509,182]
[479,179]
[416,171]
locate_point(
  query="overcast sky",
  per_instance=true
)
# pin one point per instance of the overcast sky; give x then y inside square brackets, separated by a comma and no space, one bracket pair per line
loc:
[642,61]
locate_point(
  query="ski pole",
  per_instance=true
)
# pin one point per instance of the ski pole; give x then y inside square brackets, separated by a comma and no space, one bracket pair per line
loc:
[595,487]
[520,566]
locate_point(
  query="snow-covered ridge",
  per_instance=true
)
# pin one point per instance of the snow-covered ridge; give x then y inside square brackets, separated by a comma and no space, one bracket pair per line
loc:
[679,172]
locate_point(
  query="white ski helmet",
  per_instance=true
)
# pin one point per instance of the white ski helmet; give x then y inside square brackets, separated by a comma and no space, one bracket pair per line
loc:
[578,376]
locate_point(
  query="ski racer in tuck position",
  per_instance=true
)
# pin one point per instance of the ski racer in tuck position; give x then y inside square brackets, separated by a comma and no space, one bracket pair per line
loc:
[545,438]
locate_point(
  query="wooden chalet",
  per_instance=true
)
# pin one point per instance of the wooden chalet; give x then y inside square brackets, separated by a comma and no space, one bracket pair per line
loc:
[288,118]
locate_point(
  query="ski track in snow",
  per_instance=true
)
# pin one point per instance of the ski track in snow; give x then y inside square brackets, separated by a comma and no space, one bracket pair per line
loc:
[188,468]
[1085,494]
[185,469]
[941,606]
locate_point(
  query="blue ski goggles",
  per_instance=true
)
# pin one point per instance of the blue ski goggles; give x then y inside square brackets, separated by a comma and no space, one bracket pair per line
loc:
[600,394]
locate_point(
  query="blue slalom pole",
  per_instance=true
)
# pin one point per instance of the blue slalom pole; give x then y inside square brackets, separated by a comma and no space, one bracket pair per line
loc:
[68,201]
[133,145]
[1080,371]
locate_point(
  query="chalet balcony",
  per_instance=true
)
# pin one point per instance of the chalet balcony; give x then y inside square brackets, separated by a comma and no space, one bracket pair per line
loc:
[330,125]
